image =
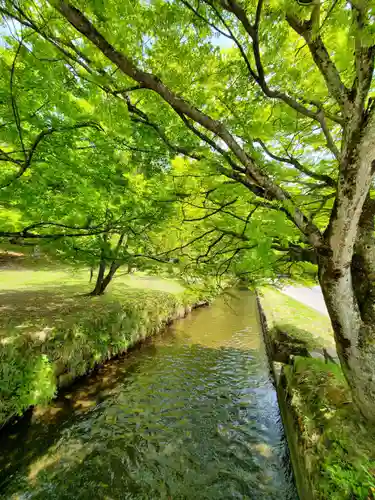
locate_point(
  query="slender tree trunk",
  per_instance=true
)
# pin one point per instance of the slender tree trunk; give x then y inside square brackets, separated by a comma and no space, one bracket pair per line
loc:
[103,280]
[112,270]
[99,280]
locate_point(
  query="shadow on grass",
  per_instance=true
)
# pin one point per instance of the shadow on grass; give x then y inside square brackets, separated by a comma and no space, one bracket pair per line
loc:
[30,309]
[35,313]
[288,340]
[291,334]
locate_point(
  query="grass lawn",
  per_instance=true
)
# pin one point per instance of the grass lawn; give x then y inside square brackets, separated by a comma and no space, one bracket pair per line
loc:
[299,322]
[50,332]
[336,446]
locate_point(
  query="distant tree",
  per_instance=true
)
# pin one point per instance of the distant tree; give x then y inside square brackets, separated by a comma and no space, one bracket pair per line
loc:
[81,188]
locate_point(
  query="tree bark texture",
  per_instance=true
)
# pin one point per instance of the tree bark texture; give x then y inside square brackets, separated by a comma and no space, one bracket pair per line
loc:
[347,273]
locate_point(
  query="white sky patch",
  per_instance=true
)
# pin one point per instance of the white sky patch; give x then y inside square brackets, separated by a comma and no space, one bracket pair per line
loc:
[222,41]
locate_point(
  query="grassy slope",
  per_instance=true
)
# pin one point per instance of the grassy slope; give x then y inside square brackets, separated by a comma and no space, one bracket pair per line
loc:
[51,333]
[337,447]
[299,321]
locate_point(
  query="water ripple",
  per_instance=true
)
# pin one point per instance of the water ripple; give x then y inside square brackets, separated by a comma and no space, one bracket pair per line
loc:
[193,415]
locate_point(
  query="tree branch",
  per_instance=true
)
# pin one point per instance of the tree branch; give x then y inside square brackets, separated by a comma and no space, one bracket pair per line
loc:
[196,12]
[210,142]
[84,26]
[25,234]
[293,161]
[13,99]
[297,253]
[197,238]
[145,120]
[326,66]
[128,89]
[214,211]
[212,245]
[235,40]
[24,166]
[329,140]
[253,31]
[364,55]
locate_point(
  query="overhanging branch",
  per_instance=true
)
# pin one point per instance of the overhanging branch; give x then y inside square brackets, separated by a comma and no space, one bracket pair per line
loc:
[25,165]
[259,76]
[298,165]
[323,61]
[84,26]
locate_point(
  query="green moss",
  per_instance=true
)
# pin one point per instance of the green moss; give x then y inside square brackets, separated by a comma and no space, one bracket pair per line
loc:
[51,332]
[335,445]
[301,323]
[338,447]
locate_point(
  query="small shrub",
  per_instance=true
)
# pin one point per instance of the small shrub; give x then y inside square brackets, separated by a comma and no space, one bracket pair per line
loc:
[26,378]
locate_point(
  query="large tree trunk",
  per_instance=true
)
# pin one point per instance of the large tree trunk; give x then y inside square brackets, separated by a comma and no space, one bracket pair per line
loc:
[354,334]
[346,266]
[363,279]
[363,262]
[350,300]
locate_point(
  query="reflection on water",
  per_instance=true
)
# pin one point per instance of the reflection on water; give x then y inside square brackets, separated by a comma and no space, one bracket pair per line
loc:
[191,415]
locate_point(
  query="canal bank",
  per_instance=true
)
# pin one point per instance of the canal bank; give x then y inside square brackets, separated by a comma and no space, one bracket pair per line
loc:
[191,414]
[331,447]
[52,332]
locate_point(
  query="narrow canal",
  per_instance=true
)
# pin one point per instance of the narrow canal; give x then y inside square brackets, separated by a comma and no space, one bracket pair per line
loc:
[191,414]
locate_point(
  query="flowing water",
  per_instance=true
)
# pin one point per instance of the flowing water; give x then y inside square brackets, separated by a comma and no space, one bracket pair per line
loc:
[190,415]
